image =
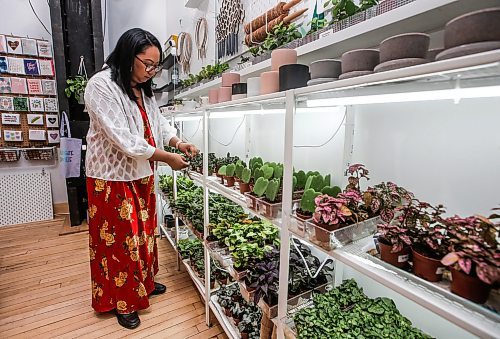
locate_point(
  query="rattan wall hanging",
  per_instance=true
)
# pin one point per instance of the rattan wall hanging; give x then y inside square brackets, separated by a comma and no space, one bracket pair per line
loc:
[230,17]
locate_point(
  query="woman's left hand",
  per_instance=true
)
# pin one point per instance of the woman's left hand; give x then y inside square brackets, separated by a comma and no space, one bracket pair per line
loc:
[188,149]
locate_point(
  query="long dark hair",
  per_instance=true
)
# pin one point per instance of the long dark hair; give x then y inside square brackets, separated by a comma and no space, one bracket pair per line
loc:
[121,60]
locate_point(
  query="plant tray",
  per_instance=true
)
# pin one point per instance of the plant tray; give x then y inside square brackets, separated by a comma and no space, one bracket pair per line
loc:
[269,210]
[237,275]
[247,295]
[340,237]
[251,201]
[9,155]
[38,154]
[298,225]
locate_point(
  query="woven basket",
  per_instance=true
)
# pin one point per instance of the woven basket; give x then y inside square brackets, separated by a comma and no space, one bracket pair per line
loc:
[9,155]
[38,154]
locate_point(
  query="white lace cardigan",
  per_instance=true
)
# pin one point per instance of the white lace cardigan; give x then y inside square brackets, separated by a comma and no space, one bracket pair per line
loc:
[116,148]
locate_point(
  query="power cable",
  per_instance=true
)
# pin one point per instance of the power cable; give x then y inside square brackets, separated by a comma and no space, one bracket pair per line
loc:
[232,139]
[34,12]
[326,142]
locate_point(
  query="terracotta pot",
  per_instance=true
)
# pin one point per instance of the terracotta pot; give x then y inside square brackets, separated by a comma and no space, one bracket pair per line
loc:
[213,96]
[398,259]
[477,26]
[327,68]
[323,232]
[225,94]
[427,268]
[293,76]
[402,46]
[269,82]
[229,181]
[228,79]
[212,285]
[281,57]
[227,312]
[253,87]
[469,287]
[244,187]
[360,60]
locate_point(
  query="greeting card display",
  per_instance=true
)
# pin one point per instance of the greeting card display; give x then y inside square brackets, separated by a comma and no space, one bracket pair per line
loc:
[5,86]
[11,119]
[49,87]
[21,104]
[35,86]
[3,65]
[52,120]
[3,46]
[53,136]
[50,104]
[6,104]
[31,67]
[29,47]
[36,104]
[18,85]
[46,67]
[12,135]
[16,65]
[36,134]
[14,45]
[44,49]
[35,119]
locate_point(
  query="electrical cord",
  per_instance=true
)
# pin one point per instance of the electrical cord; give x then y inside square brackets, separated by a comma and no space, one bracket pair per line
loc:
[326,142]
[307,266]
[34,12]
[197,129]
[232,139]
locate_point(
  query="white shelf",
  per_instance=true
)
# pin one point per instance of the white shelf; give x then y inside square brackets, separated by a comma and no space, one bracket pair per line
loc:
[228,327]
[170,240]
[197,282]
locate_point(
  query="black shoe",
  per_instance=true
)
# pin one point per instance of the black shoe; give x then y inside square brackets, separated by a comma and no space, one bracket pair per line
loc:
[159,289]
[129,321]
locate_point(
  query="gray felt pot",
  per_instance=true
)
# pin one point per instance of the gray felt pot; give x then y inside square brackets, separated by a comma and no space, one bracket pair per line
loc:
[403,46]
[477,26]
[327,68]
[360,60]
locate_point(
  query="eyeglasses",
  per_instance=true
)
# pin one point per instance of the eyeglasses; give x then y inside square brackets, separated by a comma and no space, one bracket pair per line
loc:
[149,67]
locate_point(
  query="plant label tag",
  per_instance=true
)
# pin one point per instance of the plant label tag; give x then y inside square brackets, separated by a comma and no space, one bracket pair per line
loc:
[326,34]
[403,258]
[440,270]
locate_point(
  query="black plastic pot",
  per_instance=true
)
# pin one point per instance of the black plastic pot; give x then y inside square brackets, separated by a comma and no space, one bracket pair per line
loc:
[239,88]
[293,76]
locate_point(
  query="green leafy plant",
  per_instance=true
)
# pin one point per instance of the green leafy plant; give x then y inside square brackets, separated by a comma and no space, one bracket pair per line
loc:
[272,190]
[307,203]
[246,175]
[260,186]
[280,35]
[222,170]
[75,86]
[230,170]
[317,24]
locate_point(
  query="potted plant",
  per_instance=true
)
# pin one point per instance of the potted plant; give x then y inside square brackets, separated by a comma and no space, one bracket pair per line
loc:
[384,198]
[221,173]
[473,257]
[250,321]
[229,176]
[245,178]
[75,87]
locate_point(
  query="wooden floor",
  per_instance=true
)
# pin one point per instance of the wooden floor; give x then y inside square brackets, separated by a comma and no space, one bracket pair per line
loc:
[45,291]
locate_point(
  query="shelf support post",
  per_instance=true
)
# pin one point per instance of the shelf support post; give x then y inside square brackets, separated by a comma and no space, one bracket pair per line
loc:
[206,217]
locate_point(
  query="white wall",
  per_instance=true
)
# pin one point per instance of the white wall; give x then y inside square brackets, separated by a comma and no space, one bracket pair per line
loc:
[17,18]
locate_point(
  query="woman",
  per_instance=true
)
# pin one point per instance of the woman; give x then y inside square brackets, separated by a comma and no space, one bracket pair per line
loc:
[126,136]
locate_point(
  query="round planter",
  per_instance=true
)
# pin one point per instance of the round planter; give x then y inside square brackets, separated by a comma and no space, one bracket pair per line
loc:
[431,54]
[281,57]
[253,87]
[269,82]
[477,26]
[228,79]
[354,74]
[229,181]
[239,88]
[244,187]
[327,68]
[320,81]
[398,259]
[225,94]
[403,46]
[469,287]
[213,96]
[427,268]
[467,49]
[399,63]
[360,60]
[293,76]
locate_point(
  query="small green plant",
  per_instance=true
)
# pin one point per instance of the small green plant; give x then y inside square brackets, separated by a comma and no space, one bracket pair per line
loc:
[301,179]
[307,203]
[230,170]
[75,86]
[272,190]
[246,175]
[317,24]
[222,170]
[331,191]
[239,169]
[260,186]
[280,35]
[267,171]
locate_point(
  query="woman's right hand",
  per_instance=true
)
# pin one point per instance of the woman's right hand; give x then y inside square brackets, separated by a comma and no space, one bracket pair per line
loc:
[176,161]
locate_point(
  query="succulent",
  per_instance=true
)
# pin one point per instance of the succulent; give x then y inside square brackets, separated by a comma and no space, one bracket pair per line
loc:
[307,203]
[272,189]
[222,170]
[267,171]
[239,169]
[278,171]
[230,170]
[301,179]
[331,191]
[246,175]
[260,186]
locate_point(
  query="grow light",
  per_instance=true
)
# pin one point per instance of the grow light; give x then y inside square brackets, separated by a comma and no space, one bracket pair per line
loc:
[241,113]
[446,94]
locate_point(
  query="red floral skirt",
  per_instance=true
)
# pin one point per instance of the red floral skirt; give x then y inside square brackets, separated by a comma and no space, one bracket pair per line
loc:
[122,244]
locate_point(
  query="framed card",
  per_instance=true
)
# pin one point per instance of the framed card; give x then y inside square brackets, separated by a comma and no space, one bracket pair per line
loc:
[52,120]
[44,49]
[29,46]
[6,104]
[31,67]
[3,46]
[50,104]
[49,87]
[20,104]
[37,134]
[3,65]
[14,45]
[46,67]
[35,119]
[5,86]
[18,85]
[12,135]
[11,119]
[16,65]
[36,104]
[53,136]
[35,86]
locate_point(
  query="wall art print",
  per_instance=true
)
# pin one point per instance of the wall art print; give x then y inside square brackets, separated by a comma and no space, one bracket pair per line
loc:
[18,85]
[21,104]
[53,136]
[3,65]
[49,87]
[6,104]
[31,67]
[5,86]
[35,86]
[13,45]
[36,134]
[46,67]
[9,135]
[29,46]
[36,104]
[3,46]
[44,49]
[15,65]
[50,104]
[52,120]
[11,119]
[35,119]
